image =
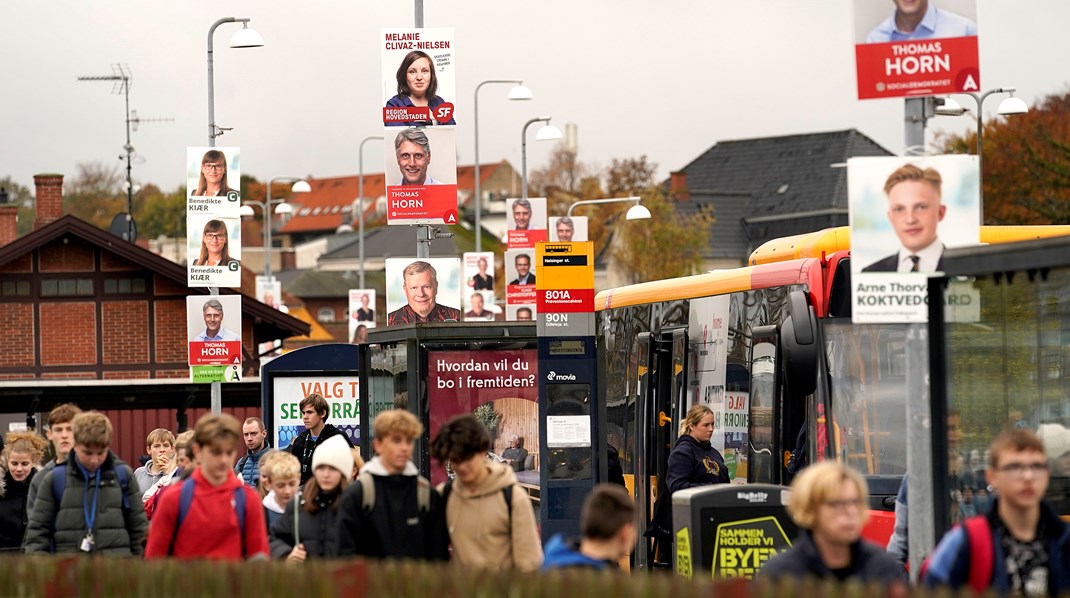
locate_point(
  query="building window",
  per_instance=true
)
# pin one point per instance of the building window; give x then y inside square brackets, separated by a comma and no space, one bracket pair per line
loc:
[325,314]
[15,288]
[124,286]
[67,287]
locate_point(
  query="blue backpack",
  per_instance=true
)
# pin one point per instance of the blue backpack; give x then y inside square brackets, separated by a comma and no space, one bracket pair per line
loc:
[185,499]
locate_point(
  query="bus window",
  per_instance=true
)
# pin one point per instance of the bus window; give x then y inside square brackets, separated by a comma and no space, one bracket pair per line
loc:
[761,452]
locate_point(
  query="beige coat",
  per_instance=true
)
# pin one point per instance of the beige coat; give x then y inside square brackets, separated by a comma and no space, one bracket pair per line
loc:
[479,524]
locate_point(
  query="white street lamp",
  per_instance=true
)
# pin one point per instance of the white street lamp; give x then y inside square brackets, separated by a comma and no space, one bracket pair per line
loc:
[281,208]
[244,38]
[548,132]
[636,212]
[518,92]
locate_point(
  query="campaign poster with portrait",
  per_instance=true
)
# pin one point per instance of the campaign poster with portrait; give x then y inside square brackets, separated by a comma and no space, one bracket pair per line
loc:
[213,327]
[479,306]
[269,292]
[341,392]
[213,220]
[521,312]
[904,212]
[520,271]
[419,77]
[564,229]
[905,49]
[479,270]
[421,175]
[421,291]
[526,222]
[361,313]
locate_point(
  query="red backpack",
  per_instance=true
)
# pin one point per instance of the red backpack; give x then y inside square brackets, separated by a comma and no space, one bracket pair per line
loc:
[982,556]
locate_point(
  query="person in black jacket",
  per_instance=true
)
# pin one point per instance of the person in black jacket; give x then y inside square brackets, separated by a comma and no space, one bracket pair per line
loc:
[828,503]
[314,411]
[313,533]
[21,456]
[693,460]
[392,511]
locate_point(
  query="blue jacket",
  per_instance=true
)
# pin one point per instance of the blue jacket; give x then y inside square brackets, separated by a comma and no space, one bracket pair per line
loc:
[949,564]
[248,467]
[693,463]
[561,554]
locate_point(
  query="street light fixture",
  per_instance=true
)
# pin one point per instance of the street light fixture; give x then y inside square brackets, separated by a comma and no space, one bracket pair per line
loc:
[1010,105]
[360,202]
[281,208]
[518,92]
[636,212]
[548,132]
[244,38]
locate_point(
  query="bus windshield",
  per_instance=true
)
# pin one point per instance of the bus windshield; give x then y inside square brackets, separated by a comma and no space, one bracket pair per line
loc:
[867,381]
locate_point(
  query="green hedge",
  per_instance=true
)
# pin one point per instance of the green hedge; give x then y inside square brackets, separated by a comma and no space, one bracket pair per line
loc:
[76,577]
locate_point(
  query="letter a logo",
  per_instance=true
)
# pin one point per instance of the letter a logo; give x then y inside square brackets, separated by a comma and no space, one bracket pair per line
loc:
[970,84]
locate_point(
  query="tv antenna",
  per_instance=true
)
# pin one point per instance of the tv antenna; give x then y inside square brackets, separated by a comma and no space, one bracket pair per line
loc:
[122,77]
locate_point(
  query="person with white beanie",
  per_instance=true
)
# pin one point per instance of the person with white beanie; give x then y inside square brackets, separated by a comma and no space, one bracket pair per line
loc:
[309,527]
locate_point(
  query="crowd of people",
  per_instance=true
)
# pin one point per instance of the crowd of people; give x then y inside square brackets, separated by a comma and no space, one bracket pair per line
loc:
[220,491]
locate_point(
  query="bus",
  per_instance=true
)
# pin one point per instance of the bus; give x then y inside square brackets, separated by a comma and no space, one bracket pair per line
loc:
[772,349]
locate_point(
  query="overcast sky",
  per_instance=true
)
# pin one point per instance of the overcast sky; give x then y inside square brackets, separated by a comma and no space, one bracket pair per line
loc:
[665,79]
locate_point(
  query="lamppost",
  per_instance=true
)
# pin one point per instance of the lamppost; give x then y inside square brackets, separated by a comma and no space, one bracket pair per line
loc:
[518,92]
[360,202]
[244,38]
[281,207]
[1009,105]
[636,212]
[547,133]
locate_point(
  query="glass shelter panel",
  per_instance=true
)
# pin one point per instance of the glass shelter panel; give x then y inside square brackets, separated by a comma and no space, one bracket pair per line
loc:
[1009,366]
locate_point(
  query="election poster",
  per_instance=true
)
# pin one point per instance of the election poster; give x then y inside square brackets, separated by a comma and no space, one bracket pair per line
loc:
[479,271]
[361,314]
[520,273]
[568,228]
[421,175]
[904,212]
[905,49]
[479,306]
[213,220]
[526,222]
[269,292]
[213,326]
[521,312]
[419,291]
[343,399]
[419,77]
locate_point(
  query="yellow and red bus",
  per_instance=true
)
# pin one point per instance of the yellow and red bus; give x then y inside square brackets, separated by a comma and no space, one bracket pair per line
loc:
[772,349]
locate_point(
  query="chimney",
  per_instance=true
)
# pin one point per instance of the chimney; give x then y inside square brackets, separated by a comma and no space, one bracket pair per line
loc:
[8,219]
[678,186]
[49,199]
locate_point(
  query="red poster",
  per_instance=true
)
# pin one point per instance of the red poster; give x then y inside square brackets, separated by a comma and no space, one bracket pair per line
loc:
[918,68]
[565,300]
[411,204]
[523,239]
[520,293]
[214,352]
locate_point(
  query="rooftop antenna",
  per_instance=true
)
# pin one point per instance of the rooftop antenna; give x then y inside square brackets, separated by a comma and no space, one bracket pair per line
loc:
[122,78]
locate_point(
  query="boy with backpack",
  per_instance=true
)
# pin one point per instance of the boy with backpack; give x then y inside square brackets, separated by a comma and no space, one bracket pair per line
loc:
[489,516]
[62,440]
[211,514]
[91,502]
[391,511]
[1021,546]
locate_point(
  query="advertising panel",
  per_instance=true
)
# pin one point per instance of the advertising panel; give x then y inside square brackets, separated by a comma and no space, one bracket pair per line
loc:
[341,392]
[904,212]
[526,221]
[419,77]
[520,270]
[213,220]
[568,228]
[361,314]
[916,48]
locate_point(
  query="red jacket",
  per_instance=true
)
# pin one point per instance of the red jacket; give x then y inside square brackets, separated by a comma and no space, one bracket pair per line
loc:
[210,530]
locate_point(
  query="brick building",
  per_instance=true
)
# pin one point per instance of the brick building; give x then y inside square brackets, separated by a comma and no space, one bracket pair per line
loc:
[89,318]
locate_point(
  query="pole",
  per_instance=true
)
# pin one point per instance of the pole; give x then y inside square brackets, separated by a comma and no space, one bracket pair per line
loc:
[418,5]
[524,154]
[914,119]
[129,167]
[211,82]
[267,234]
[360,202]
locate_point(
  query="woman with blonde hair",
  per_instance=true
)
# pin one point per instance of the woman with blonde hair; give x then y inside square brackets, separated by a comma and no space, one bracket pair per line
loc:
[19,462]
[828,503]
[693,460]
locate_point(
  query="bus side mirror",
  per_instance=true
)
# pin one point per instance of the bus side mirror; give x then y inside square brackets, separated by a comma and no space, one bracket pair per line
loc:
[798,343]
